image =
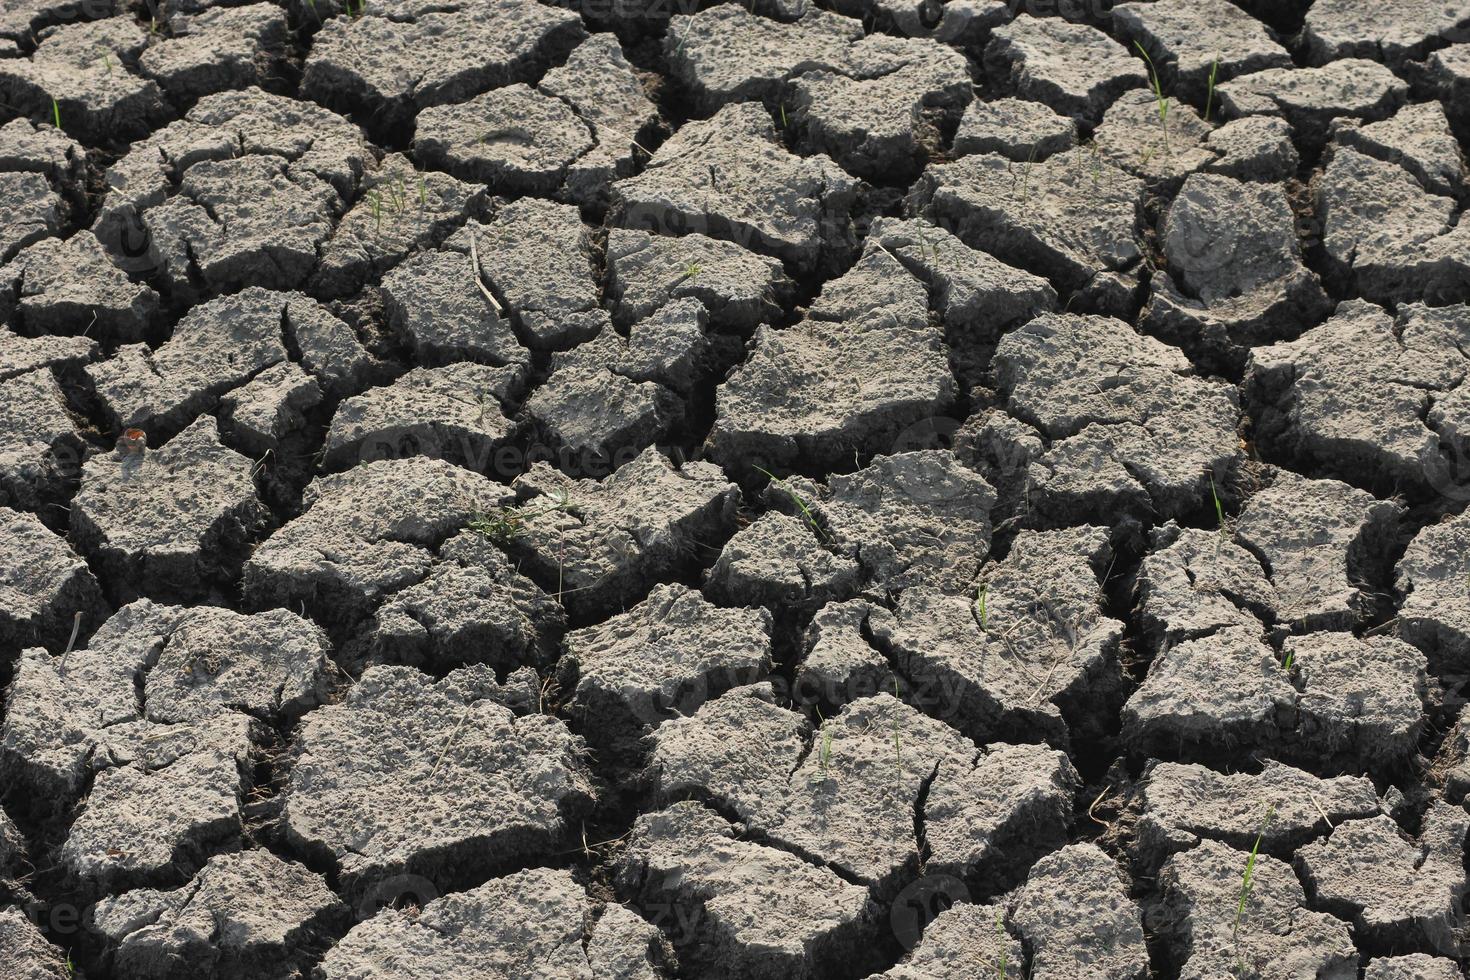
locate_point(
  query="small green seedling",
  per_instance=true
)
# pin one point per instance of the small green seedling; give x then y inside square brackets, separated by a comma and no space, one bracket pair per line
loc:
[692,269]
[980,596]
[784,123]
[1248,879]
[1219,508]
[423,193]
[1160,99]
[377,201]
[824,752]
[56,113]
[1210,93]
[505,524]
[1286,665]
[796,499]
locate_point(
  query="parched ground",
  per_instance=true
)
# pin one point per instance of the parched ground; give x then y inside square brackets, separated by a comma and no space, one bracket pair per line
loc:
[632,490]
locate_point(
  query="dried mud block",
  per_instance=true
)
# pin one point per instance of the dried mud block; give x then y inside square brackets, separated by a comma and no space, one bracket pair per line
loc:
[154,674]
[392,68]
[1417,138]
[757,911]
[1235,278]
[1363,701]
[600,407]
[1075,69]
[1325,544]
[729,177]
[1311,98]
[1412,896]
[1253,148]
[1368,396]
[216,347]
[251,221]
[1017,129]
[329,348]
[1448,72]
[1276,935]
[608,94]
[779,562]
[461,786]
[536,922]
[1414,966]
[671,347]
[978,296]
[1132,428]
[14,863]
[84,70]
[1131,138]
[1027,654]
[1433,577]
[243,916]
[26,952]
[312,141]
[432,301]
[915,518]
[738,288]
[1181,805]
[268,408]
[1391,30]
[1193,583]
[1219,693]
[880,116]
[40,445]
[46,150]
[196,207]
[43,586]
[398,211]
[839,662]
[1387,236]
[71,286]
[1073,218]
[604,543]
[217,49]
[487,140]
[18,354]
[162,799]
[964,940]
[1076,918]
[727,54]
[170,521]
[663,658]
[472,607]
[538,258]
[204,660]
[959,22]
[30,211]
[365,534]
[458,413]
[865,364]
[850,793]
[1196,44]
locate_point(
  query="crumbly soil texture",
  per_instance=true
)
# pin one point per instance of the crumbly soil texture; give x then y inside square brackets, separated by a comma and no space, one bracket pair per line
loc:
[776,490]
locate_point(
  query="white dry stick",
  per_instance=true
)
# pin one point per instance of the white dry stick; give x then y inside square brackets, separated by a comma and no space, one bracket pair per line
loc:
[76,627]
[475,274]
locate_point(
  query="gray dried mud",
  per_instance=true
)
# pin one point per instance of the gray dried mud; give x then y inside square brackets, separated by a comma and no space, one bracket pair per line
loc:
[642,490]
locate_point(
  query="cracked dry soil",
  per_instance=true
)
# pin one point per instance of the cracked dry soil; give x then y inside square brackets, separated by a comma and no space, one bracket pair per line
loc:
[633,490]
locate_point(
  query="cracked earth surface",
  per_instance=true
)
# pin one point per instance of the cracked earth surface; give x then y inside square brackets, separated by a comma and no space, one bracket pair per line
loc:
[636,490]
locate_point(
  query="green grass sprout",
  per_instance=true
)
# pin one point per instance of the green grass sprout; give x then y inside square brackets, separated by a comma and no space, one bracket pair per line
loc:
[1161,100]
